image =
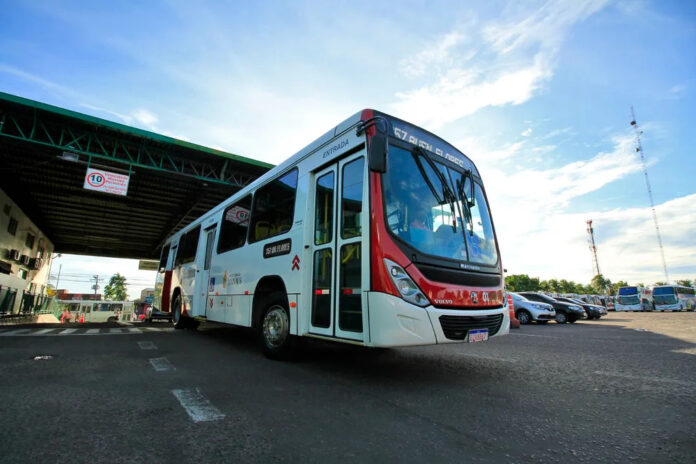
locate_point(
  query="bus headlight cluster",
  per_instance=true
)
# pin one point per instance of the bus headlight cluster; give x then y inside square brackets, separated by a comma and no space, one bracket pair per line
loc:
[406,286]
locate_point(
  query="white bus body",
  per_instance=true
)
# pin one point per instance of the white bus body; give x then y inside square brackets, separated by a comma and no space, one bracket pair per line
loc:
[633,298]
[320,244]
[674,298]
[96,311]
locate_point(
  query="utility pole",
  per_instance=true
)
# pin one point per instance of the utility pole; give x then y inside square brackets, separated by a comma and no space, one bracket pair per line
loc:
[639,149]
[60,268]
[96,283]
[593,247]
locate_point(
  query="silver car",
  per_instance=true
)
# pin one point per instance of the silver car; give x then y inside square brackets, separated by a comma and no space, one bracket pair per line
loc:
[527,311]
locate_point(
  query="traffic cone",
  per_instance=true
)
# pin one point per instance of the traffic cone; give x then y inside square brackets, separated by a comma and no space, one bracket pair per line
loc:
[82,318]
[514,323]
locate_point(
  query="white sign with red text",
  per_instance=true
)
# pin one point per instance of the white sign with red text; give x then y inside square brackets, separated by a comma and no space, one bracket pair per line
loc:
[106,181]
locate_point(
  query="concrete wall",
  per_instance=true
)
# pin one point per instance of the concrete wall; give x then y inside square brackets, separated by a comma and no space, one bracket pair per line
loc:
[23,277]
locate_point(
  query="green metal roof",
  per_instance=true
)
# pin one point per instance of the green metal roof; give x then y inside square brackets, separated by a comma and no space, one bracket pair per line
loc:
[128,129]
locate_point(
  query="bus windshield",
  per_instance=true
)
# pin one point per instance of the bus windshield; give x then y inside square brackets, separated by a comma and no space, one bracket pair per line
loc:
[427,207]
[664,295]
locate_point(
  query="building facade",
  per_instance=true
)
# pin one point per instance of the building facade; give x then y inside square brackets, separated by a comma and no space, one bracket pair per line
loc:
[25,260]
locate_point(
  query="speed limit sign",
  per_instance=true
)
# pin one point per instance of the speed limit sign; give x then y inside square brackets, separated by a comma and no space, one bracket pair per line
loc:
[106,181]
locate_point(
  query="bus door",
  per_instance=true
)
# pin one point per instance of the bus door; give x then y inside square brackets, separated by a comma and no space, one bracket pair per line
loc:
[203,291]
[337,252]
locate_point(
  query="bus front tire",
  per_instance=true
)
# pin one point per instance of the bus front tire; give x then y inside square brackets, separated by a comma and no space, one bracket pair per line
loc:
[274,329]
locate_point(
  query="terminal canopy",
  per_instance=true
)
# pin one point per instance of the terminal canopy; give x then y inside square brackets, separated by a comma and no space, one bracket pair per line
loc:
[96,187]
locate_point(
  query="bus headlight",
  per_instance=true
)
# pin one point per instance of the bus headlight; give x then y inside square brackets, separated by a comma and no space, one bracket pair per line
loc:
[405,285]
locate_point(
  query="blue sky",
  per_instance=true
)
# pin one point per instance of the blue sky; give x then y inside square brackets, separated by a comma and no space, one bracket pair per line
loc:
[538,94]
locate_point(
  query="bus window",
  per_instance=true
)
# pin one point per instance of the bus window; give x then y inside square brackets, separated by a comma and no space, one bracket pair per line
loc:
[235,222]
[323,221]
[187,246]
[163,258]
[274,207]
[351,198]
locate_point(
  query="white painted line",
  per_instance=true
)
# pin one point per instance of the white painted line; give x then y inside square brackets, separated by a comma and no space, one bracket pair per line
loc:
[147,345]
[196,406]
[12,333]
[115,331]
[151,329]
[134,330]
[67,331]
[43,331]
[92,332]
[647,378]
[161,364]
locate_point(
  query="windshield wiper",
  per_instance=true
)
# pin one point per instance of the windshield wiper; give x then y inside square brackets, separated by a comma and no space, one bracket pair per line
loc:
[430,185]
[465,201]
[447,193]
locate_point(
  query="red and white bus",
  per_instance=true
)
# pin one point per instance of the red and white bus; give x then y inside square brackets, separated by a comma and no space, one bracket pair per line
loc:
[378,233]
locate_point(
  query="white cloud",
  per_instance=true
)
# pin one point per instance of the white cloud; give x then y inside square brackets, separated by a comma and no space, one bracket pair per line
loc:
[518,55]
[538,235]
[527,132]
[145,117]
[438,54]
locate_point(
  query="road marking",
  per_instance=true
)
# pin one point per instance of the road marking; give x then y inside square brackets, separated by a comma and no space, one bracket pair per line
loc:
[43,331]
[161,364]
[487,358]
[12,333]
[647,378]
[196,406]
[55,331]
[147,345]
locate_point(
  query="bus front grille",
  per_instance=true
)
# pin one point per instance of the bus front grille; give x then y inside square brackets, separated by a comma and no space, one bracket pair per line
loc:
[457,327]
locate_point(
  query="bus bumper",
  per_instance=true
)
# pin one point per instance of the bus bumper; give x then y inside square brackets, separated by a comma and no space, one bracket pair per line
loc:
[395,322]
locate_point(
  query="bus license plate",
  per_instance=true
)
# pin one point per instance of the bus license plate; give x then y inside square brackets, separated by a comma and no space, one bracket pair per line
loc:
[480,335]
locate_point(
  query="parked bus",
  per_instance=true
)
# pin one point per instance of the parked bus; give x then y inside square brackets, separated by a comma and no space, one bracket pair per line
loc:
[94,311]
[633,298]
[674,298]
[378,234]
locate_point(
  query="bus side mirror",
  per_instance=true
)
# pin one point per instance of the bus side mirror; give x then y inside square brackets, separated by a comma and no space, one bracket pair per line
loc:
[377,152]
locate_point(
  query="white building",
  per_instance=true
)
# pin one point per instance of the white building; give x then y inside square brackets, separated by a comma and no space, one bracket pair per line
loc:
[25,260]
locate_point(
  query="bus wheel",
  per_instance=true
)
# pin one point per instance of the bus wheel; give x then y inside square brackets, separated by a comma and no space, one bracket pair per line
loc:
[178,320]
[274,330]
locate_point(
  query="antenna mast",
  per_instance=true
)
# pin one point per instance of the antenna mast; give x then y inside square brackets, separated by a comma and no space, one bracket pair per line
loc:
[593,247]
[639,149]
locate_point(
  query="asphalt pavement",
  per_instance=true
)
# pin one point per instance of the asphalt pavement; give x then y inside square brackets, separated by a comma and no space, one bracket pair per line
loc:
[587,392]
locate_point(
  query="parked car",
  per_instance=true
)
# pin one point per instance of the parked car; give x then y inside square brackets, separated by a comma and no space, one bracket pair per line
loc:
[527,311]
[565,312]
[593,311]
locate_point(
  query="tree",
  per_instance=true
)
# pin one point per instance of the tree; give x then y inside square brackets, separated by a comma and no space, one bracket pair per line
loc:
[615,286]
[599,283]
[521,283]
[685,283]
[659,283]
[115,290]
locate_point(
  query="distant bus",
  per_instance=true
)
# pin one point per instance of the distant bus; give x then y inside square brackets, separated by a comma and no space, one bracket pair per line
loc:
[674,298]
[633,298]
[95,311]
